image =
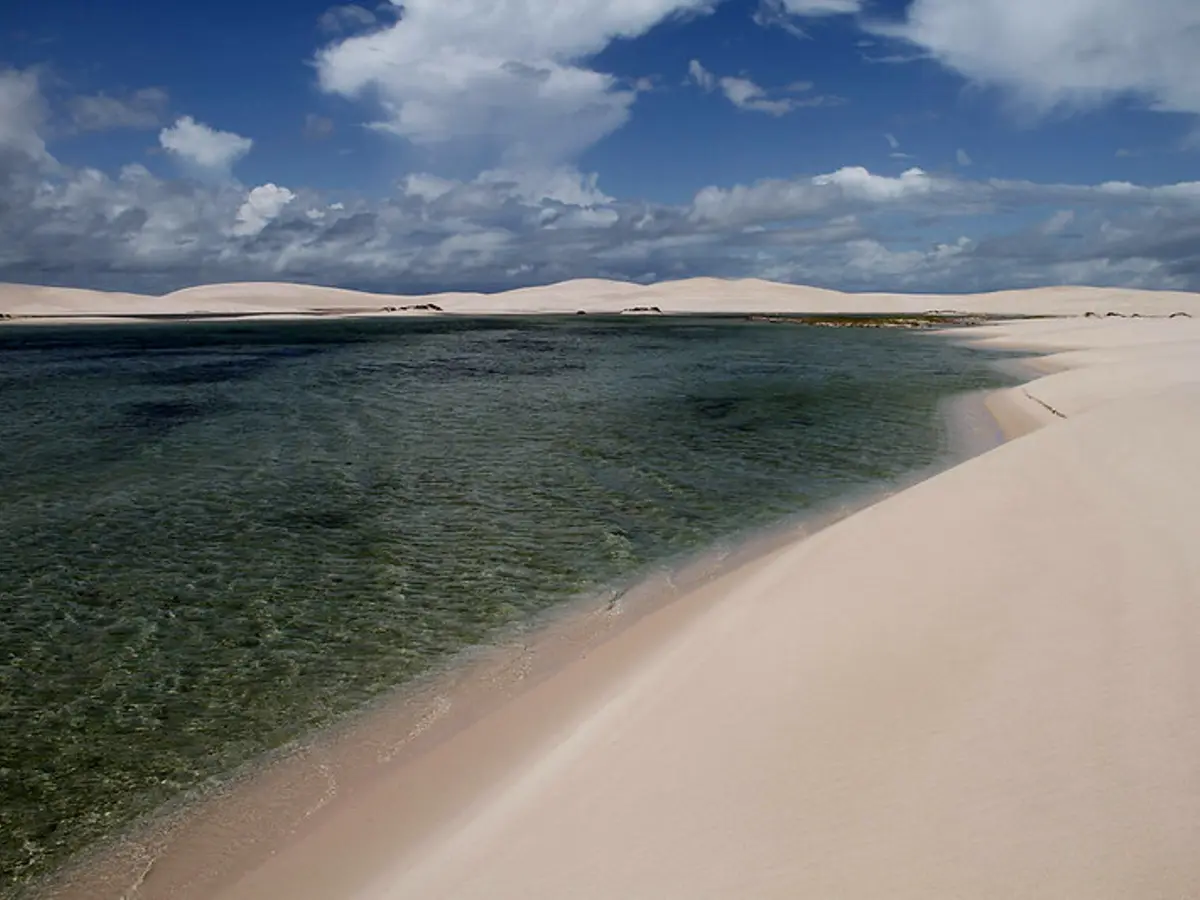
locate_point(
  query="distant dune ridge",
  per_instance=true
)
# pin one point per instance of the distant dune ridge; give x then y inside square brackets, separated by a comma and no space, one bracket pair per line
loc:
[597,296]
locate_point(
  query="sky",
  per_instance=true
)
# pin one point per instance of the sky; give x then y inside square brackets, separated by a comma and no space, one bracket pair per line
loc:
[902,145]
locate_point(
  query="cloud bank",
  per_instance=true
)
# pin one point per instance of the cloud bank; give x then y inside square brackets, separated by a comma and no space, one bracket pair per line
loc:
[850,228]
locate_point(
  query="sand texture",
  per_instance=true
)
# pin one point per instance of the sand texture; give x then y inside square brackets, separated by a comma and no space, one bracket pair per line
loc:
[986,687]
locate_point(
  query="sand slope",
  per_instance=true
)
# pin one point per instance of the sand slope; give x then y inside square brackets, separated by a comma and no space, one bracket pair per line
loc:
[696,295]
[985,686]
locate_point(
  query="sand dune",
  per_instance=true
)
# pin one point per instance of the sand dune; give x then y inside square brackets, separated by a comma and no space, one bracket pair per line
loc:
[1001,704]
[1107,362]
[21,300]
[696,295]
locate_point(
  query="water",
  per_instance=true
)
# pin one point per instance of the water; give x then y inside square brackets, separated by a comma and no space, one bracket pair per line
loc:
[217,538]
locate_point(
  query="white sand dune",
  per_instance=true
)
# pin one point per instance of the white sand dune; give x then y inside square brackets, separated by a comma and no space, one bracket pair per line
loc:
[985,687]
[33,300]
[696,295]
[1106,362]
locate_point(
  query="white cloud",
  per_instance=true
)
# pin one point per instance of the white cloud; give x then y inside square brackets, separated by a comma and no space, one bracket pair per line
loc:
[199,145]
[346,18]
[426,187]
[561,185]
[102,112]
[850,228]
[786,13]
[263,204]
[1058,222]
[22,111]
[1067,53]
[701,76]
[821,7]
[745,94]
[962,157]
[836,192]
[508,74]
[857,183]
[896,153]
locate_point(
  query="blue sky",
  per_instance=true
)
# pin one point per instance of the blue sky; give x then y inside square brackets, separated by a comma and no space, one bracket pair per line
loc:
[930,145]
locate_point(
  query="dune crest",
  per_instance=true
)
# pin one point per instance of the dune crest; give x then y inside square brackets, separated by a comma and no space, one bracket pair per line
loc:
[594,296]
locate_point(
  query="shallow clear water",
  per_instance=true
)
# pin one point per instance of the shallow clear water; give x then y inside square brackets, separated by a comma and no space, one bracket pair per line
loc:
[216,538]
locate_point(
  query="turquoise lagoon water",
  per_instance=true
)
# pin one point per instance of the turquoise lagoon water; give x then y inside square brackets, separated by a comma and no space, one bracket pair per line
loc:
[218,538]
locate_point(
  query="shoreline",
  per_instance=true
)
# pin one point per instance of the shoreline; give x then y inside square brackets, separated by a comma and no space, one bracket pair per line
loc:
[1001,704]
[981,636]
[292,791]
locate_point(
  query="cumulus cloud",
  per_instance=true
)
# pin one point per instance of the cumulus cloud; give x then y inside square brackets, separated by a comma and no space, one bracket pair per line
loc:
[745,94]
[102,112]
[563,185]
[511,74]
[1069,53]
[22,111]
[850,228]
[846,190]
[262,205]
[203,147]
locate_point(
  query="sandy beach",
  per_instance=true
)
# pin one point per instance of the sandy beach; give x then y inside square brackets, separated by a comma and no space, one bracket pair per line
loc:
[985,685]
